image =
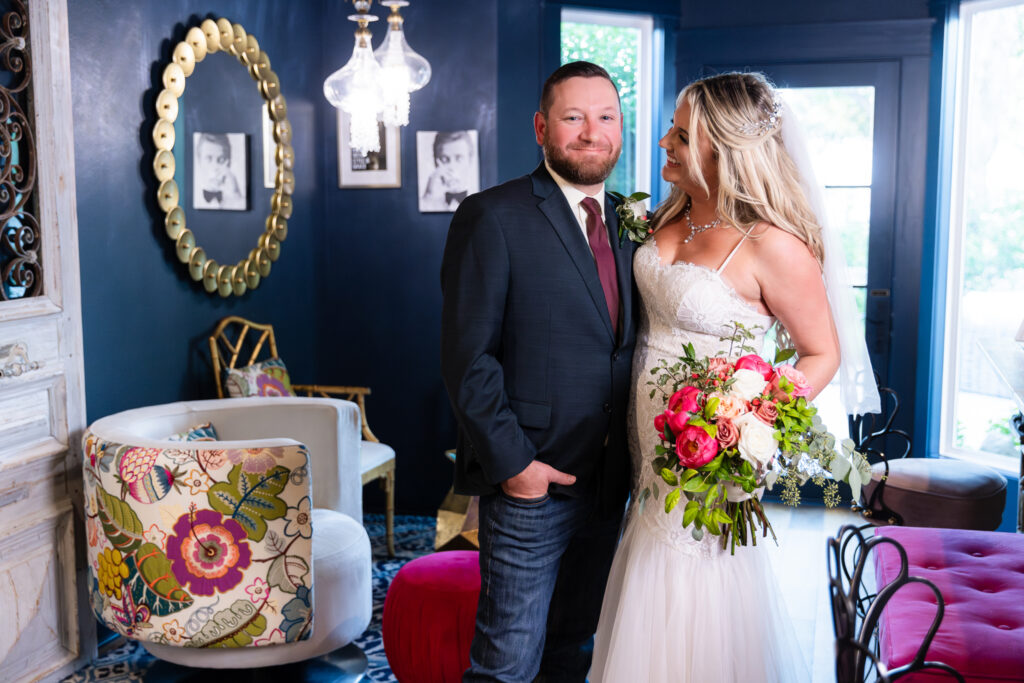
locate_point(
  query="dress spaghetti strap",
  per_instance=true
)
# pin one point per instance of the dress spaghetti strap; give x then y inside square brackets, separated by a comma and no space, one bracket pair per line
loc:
[731,254]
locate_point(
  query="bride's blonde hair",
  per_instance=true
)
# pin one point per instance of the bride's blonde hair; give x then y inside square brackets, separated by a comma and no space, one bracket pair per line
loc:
[757,179]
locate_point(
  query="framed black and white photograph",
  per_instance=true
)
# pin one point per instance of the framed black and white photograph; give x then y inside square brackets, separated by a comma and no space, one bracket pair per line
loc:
[447,168]
[374,169]
[220,168]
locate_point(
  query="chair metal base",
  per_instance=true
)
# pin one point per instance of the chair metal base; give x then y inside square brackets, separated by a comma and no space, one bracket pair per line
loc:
[345,665]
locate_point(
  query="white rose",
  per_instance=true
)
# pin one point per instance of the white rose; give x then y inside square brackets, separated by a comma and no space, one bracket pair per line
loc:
[757,442]
[634,208]
[747,384]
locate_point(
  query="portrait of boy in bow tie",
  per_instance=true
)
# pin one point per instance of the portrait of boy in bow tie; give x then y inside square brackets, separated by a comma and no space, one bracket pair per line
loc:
[448,168]
[217,171]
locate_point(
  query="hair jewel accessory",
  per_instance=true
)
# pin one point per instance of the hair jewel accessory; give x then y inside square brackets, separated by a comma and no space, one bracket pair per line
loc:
[765,125]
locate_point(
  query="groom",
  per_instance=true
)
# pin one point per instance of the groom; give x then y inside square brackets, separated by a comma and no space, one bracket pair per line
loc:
[537,339]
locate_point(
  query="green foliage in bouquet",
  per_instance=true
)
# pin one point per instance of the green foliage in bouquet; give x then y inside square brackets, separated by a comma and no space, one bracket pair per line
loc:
[733,427]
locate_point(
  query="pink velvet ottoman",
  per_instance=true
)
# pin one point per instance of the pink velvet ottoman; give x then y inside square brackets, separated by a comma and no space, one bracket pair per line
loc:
[430,615]
[980,575]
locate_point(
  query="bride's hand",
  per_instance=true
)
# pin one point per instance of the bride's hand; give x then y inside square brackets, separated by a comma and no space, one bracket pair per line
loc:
[533,482]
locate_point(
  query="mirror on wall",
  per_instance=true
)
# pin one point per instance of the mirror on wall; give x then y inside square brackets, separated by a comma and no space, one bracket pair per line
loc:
[223,157]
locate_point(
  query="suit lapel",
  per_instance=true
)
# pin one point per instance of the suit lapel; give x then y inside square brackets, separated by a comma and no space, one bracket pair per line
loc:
[556,209]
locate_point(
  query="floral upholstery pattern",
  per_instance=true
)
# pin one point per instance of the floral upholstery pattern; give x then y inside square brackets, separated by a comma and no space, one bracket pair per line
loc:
[200,547]
[266,378]
[200,432]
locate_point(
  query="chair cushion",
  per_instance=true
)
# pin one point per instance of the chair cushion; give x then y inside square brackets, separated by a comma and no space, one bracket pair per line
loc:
[199,432]
[266,378]
[980,575]
[373,454]
[430,615]
[342,602]
[942,492]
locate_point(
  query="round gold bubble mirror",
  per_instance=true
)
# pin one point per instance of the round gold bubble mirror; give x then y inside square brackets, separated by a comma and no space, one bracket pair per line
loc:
[200,41]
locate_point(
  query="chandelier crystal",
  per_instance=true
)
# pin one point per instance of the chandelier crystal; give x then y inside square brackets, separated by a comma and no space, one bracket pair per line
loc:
[355,88]
[403,70]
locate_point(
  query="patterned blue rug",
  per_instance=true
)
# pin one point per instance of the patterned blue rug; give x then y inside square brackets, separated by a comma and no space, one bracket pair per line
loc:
[414,536]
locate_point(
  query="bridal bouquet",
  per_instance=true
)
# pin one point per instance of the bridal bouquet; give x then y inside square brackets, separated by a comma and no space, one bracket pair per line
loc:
[733,427]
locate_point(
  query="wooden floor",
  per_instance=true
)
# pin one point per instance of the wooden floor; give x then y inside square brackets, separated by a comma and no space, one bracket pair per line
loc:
[800,565]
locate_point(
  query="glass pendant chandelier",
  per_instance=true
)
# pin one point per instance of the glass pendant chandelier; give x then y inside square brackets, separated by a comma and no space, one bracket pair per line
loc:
[356,87]
[402,70]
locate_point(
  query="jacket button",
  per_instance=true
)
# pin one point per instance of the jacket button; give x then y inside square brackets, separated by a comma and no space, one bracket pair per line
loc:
[607,407]
[615,356]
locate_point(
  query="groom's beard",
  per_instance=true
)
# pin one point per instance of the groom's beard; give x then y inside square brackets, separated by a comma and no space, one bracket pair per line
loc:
[584,172]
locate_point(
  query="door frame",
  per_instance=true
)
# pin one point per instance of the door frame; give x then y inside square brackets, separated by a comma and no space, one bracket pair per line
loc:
[905,45]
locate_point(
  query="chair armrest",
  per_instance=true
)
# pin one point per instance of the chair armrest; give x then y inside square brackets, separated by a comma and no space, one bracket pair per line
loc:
[356,394]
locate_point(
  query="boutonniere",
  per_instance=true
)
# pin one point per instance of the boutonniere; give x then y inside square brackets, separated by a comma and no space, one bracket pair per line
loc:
[633,220]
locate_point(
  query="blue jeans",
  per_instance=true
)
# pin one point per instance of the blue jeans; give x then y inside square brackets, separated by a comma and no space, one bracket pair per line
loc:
[543,567]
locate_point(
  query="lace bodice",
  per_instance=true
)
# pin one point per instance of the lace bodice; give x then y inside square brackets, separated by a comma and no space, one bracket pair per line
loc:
[681,302]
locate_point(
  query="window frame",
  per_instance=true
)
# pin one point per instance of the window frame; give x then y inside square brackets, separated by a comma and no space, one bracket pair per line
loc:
[952,268]
[646,105]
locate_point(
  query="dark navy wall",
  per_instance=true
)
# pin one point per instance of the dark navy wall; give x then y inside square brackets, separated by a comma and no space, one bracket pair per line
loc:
[378,258]
[145,322]
[758,12]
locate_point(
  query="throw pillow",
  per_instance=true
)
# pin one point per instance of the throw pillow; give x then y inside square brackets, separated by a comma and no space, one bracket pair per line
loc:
[267,378]
[200,432]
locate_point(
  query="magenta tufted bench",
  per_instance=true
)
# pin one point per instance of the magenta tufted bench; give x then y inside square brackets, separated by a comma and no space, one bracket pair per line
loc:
[980,575]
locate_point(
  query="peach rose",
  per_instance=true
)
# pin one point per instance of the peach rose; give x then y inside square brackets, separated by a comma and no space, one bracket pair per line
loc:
[719,367]
[728,433]
[695,448]
[730,406]
[765,411]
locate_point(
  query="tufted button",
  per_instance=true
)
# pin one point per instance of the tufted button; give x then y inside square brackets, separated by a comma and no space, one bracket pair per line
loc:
[1004,627]
[977,554]
[932,567]
[607,407]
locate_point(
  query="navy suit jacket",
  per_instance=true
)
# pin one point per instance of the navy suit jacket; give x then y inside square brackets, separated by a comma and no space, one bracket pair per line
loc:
[528,355]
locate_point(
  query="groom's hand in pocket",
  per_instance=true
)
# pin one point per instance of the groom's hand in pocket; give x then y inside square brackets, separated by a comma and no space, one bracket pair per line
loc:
[533,482]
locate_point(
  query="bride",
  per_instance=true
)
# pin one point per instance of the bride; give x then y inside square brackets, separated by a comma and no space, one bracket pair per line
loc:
[738,240]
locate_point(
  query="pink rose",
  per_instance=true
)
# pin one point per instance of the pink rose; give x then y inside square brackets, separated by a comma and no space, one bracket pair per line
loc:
[765,411]
[659,423]
[695,448]
[676,421]
[684,400]
[719,367]
[755,363]
[774,390]
[730,407]
[800,385]
[728,433]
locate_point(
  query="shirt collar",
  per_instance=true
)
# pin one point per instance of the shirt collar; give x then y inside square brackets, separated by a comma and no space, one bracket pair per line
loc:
[573,194]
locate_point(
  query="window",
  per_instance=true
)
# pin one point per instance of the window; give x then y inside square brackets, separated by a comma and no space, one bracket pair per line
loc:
[985,271]
[623,45]
[839,125]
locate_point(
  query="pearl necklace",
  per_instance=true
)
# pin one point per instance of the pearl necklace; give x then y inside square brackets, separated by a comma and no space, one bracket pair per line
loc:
[697,229]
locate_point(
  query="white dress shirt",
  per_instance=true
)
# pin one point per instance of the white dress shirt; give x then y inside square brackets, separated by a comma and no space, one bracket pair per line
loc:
[574,196]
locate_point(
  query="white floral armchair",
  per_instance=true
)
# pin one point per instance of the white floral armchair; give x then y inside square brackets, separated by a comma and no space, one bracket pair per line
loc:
[228,533]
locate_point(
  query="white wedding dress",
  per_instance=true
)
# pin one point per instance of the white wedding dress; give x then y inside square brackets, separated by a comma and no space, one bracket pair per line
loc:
[675,609]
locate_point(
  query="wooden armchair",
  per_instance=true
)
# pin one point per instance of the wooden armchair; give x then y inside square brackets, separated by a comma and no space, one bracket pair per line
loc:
[236,339]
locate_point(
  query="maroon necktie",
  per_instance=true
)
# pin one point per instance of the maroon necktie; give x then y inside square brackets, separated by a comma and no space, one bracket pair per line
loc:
[597,235]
